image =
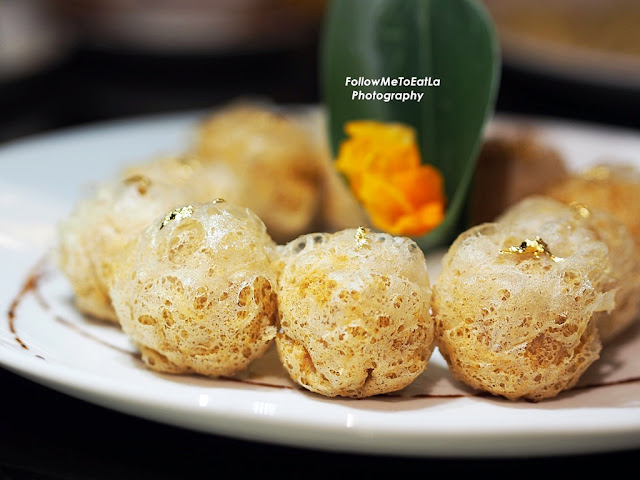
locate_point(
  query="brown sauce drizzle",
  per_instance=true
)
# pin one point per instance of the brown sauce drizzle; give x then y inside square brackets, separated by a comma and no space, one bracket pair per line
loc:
[29,286]
[32,283]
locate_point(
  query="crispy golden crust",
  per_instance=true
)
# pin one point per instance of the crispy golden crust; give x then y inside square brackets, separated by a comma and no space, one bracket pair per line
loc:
[197,290]
[520,324]
[93,236]
[354,311]
[199,181]
[276,160]
[613,188]
[624,276]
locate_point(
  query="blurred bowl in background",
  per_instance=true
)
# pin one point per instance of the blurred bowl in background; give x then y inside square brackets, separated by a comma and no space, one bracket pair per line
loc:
[32,39]
[590,41]
[193,26]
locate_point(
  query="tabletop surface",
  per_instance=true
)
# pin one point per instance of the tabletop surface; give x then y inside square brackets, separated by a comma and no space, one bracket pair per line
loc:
[48,435]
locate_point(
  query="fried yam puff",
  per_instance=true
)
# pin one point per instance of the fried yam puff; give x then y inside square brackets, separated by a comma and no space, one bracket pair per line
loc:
[196,292]
[515,317]
[613,188]
[354,312]
[533,212]
[275,158]
[92,237]
[202,181]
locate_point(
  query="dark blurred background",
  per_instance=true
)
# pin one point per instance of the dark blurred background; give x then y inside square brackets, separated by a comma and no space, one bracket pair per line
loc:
[70,62]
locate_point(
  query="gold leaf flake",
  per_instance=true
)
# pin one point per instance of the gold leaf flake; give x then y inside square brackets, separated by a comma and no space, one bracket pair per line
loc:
[361,237]
[177,214]
[535,247]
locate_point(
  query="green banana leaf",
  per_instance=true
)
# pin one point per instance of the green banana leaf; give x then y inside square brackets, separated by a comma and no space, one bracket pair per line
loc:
[450,40]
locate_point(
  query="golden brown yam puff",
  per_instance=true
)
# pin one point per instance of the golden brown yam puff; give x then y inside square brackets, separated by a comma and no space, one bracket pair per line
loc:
[520,325]
[92,237]
[275,159]
[354,312]
[203,181]
[197,290]
[171,169]
[613,188]
[510,167]
[533,212]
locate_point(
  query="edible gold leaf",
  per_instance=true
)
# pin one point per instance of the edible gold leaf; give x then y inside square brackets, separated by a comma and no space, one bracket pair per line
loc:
[535,247]
[177,214]
[361,237]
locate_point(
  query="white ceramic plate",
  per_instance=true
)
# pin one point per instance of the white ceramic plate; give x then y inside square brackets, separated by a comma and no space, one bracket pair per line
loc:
[43,338]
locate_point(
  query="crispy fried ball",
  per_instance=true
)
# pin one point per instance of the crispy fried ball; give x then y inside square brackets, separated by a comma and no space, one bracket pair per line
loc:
[354,312]
[196,292]
[171,169]
[276,160]
[92,237]
[514,317]
[202,181]
[533,212]
[613,188]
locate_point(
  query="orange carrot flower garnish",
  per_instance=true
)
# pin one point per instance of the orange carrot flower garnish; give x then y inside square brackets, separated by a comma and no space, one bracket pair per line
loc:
[382,163]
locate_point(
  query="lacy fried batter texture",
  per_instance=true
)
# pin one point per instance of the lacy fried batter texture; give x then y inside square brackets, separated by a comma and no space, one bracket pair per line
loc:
[253,148]
[624,276]
[354,312]
[196,290]
[277,160]
[92,237]
[515,314]
[613,188]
